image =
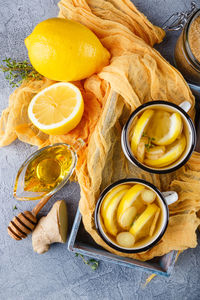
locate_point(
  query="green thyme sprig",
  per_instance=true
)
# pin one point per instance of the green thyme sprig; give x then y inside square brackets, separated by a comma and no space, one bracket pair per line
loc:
[144,134]
[150,144]
[14,207]
[15,72]
[94,264]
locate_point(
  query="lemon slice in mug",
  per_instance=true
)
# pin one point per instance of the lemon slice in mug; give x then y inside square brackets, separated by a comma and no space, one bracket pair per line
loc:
[140,126]
[110,196]
[57,109]
[131,198]
[109,215]
[142,225]
[165,127]
[174,152]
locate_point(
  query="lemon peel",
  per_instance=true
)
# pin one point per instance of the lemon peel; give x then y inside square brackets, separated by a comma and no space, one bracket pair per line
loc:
[65,50]
[170,156]
[109,215]
[142,225]
[175,129]
[139,129]
[108,198]
[129,199]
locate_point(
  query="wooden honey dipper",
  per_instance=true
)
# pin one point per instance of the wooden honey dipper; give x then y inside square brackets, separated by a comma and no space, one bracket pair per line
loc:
[24,223]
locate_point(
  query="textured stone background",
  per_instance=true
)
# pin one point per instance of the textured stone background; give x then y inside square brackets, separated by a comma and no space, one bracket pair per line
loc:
[58,274]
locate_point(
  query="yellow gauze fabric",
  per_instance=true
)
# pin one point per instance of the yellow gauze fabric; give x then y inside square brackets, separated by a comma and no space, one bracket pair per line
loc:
[137,73]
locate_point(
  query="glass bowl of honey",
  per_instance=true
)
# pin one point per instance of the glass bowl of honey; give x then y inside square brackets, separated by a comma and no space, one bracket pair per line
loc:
[45,172]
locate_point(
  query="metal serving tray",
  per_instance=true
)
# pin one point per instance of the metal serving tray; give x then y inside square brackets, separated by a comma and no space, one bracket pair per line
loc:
[81,242]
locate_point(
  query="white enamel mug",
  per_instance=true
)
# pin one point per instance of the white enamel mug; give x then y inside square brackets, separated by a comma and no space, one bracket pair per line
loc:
[182,109]
[165,199]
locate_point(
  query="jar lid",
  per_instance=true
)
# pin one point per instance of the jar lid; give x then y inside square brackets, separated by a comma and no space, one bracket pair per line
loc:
[178,20]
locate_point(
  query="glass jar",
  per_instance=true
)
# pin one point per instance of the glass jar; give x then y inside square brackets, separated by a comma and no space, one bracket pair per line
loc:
[187,50]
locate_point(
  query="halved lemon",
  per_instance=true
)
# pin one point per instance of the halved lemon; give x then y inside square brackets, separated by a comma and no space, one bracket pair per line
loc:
[165,127]
[142,225]
[57,109]
[174,152]
[140,126]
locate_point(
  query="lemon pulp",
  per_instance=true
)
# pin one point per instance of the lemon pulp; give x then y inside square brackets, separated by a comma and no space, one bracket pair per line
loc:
[165,127]
[57,109]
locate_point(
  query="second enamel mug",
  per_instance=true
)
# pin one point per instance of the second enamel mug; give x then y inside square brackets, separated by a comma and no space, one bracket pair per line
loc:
[156,161]
[122,215]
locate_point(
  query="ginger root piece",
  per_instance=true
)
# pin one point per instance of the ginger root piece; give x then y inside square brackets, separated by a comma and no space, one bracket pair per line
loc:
[148,196]
[141,149]
[51,229]
[125,239]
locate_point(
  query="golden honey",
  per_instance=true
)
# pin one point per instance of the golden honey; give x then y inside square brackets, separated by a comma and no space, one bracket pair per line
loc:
[44,172]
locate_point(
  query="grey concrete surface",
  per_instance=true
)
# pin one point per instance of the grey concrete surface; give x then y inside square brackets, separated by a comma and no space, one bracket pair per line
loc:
[58,274]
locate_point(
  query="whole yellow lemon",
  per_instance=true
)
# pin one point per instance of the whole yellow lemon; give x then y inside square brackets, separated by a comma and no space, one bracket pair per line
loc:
[65,50]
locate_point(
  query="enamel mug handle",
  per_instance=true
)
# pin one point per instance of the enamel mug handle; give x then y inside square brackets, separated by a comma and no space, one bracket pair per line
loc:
[185,105]
[170,197]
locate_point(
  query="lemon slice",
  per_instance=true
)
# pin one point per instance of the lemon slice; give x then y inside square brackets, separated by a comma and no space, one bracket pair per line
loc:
[130,199]
[165,127]
[175,151]
[175,129]
[153,225]
[109,215]
[57,109]
[139,129]
[110,195]
[142,225]
[126,219]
